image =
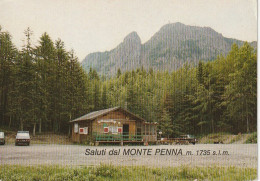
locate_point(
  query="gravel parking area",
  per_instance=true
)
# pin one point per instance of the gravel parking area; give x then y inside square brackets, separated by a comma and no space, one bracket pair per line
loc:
[241,155]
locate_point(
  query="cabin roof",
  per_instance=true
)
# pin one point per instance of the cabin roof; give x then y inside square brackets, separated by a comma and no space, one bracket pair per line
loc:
[95,114]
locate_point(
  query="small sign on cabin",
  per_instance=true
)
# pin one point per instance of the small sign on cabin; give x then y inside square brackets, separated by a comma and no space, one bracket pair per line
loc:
[106,129]
[76,128]
[83,130]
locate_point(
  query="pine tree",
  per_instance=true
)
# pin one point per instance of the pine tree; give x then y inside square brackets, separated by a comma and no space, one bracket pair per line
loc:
[104,97]
[8,55]
[26,85]
[241,92]
[166,124]
[97,96]
[118,73]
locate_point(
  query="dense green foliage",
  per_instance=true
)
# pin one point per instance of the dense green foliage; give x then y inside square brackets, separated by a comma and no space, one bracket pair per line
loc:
[41,86]
[44,87]
[107,172]
[252,138]
[218,96]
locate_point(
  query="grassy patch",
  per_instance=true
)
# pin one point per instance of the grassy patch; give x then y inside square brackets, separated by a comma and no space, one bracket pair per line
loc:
[236,138]
[7,129]
[215,137]
[44,138]
[252,138]
[228,138]
[108,172]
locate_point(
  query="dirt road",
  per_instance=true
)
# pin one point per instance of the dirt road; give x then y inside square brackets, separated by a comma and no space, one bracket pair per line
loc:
[241,155]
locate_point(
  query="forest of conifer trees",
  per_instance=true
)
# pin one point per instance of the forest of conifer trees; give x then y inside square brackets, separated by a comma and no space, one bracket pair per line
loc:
[43,87]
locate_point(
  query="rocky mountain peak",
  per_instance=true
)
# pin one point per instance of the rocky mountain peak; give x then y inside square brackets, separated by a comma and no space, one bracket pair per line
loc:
[133,36]
[172,46]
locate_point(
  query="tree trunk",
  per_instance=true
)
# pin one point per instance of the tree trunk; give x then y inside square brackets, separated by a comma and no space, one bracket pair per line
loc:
[247,120]
[212,124]
[59,127]
[10,121]
[21,125]
[69,132]
[247,124]
[34,127]
[201,125]
[40,126]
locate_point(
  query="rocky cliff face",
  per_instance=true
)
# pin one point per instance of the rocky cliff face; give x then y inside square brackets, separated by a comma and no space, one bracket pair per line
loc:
[127,54]
[171,47]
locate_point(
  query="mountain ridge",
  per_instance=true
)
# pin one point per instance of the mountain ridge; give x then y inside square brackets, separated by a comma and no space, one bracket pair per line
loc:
[168,49]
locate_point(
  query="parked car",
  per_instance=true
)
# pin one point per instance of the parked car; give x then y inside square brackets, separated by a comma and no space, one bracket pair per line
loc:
[189,138]
[2,138]
[22,138]
[181,140]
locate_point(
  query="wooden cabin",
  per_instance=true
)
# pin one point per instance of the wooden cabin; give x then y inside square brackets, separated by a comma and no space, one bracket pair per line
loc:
[113,125]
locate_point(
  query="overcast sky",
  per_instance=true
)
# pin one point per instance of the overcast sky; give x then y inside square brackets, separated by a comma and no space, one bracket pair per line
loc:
[98,25]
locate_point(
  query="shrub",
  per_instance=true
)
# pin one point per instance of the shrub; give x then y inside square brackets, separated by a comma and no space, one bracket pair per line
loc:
[236,138]
[252,138]
[106,171]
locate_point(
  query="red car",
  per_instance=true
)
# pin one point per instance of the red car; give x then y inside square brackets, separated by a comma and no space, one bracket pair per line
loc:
[22,138]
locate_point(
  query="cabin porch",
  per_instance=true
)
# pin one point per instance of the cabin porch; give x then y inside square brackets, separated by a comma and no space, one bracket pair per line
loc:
[144,134]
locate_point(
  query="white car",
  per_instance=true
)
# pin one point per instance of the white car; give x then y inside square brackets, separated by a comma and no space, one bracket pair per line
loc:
[2,138]
[22,138]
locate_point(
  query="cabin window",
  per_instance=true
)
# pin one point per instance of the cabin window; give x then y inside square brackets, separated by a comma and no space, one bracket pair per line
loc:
[76,128]
[152,130]
[113,129]
[138,128]
[106,129]
[139,131]
[143,129]
[86,130]
[147,129]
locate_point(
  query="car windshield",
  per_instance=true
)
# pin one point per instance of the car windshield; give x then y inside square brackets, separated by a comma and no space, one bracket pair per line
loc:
[187,136]
[190,136]
[1,135]
[23,135]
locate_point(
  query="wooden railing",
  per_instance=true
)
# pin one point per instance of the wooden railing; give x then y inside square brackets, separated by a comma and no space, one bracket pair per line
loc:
[117,137]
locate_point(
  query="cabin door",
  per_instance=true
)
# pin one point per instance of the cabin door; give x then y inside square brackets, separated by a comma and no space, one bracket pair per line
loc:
[125,129]
[132,128]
